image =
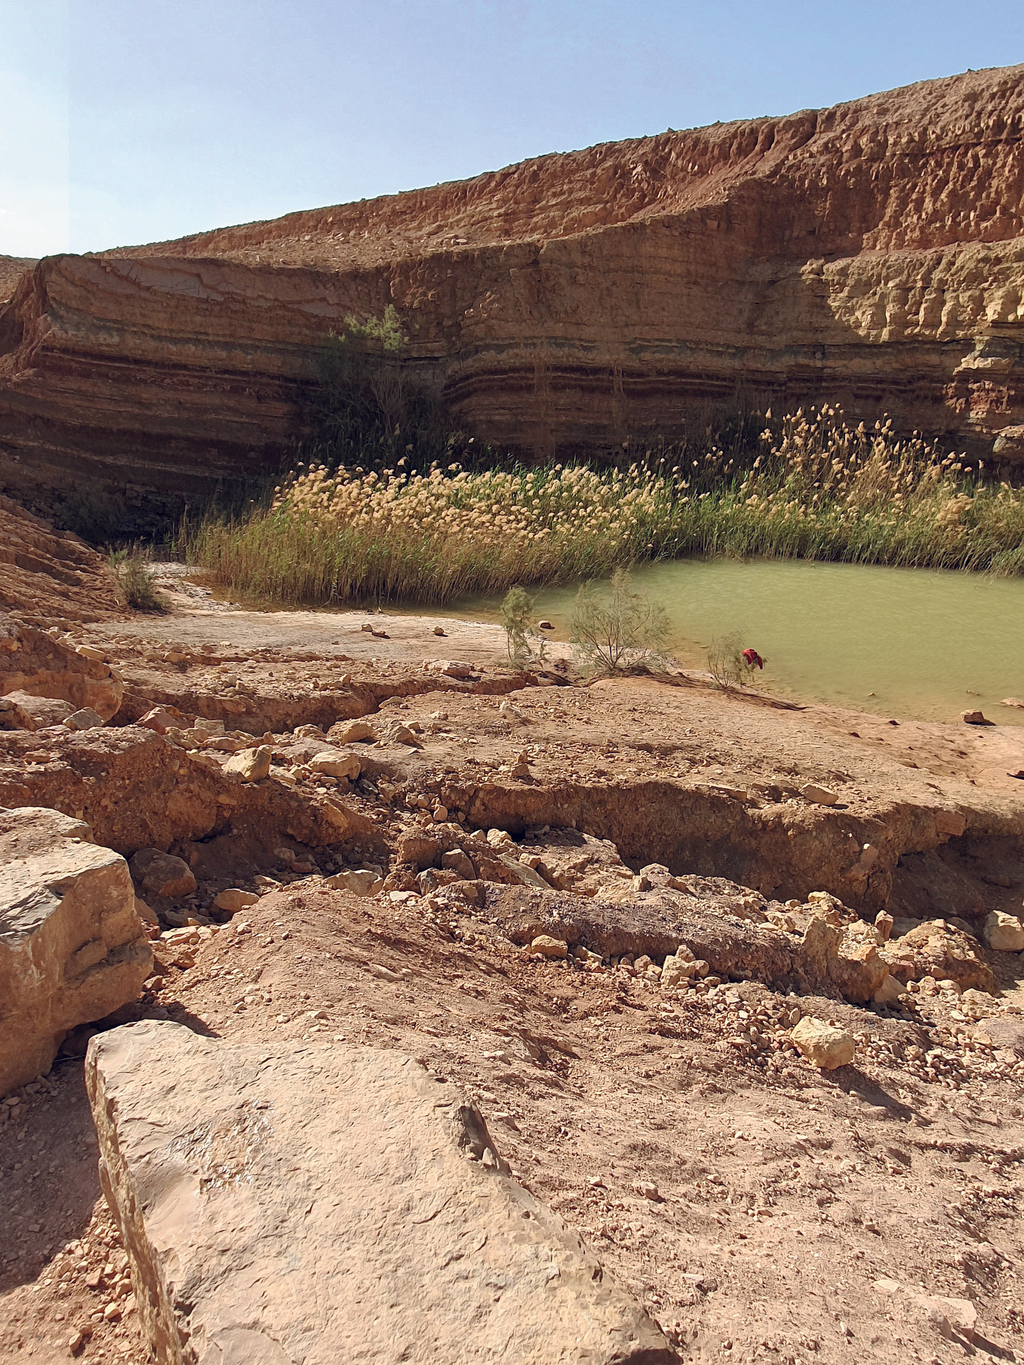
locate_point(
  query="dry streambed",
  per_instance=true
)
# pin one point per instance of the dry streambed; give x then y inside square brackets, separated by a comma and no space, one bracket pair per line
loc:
[621,920]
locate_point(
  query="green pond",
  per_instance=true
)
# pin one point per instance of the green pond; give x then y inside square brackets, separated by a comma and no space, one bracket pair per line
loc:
[907,643]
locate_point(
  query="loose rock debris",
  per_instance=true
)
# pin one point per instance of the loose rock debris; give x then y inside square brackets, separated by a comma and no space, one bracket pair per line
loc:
[615,958]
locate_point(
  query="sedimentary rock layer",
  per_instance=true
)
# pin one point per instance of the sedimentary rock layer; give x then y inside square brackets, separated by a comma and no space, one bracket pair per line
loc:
[870,254]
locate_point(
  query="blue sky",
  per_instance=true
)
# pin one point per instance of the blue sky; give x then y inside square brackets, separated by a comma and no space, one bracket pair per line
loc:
[128,121]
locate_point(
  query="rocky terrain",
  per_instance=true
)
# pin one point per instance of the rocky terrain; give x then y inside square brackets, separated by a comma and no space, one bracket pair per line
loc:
[363,996]
[871,254]
[12,268]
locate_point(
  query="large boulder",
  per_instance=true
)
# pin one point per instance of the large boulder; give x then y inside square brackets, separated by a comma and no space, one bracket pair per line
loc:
[44,665]
[21,710]
[1004,933]
[334,1203]
[72,946]
[161,874]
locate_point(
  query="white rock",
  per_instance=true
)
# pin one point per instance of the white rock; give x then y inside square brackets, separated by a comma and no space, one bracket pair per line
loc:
[820,796]
[351,732]
[72,946]
[233,899]
[24,711]
[251,765]
[358,881]
[85,719]
[824,1045]
[548,946]
[677,970]
[1004,933]
[335,763]
[451,668]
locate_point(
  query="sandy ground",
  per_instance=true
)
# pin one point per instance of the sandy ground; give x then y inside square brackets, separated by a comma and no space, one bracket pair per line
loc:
[763,1211]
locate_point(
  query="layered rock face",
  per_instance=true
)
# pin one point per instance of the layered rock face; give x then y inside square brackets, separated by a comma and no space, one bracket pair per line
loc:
[47,573]
[871,254]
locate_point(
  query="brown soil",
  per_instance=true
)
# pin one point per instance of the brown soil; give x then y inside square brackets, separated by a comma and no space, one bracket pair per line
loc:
[750,1201]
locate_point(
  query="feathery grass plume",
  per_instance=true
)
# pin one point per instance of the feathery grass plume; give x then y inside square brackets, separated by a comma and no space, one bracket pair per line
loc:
[817,488]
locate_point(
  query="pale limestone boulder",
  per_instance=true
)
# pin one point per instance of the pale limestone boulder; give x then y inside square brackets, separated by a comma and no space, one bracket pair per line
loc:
[233,899]
[351,732]
[72,945]
[36,662]
[250,765]
[678,968]
[818,796]
[824,1045]
[335,763]
[359,881]
[85,719]
[161,719]
[161,874]
[548,946]
[334,1203]
[457,861]
[23,711]
[1004,933]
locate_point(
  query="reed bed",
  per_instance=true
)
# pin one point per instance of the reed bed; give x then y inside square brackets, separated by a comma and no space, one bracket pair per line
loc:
[815,487]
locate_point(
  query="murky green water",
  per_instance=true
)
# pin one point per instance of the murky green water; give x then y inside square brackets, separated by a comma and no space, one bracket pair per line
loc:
[909,643]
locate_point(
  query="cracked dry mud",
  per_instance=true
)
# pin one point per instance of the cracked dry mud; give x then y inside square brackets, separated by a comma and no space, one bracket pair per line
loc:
[759,1209]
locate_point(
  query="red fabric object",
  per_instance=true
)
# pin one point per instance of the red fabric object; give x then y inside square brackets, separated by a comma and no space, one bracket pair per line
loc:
[751,657]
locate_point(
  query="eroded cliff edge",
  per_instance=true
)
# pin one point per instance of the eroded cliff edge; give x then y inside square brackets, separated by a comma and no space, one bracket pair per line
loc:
[871,254]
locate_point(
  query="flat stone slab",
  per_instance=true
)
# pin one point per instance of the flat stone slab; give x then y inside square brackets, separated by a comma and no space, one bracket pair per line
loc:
[319,1204]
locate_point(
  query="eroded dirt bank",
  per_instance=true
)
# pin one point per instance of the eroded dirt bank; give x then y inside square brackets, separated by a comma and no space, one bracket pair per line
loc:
[425,817]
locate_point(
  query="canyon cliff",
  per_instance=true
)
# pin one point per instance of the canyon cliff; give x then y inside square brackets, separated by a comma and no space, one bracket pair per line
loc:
[871,254]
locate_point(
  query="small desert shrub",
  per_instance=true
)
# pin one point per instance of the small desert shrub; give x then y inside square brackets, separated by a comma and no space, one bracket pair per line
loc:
[616,629]
[135,580]
[522,641]
[725,660]
[727,665]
